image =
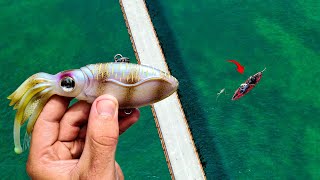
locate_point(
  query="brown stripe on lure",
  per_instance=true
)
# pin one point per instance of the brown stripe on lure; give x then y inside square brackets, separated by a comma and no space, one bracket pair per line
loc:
[133,85]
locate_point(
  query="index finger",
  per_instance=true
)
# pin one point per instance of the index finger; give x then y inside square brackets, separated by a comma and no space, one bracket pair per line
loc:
[46,129]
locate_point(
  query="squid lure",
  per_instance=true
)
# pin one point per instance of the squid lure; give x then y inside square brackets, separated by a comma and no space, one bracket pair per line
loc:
[133,85]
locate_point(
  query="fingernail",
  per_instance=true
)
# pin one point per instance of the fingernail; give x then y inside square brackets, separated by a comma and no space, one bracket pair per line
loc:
[106,107]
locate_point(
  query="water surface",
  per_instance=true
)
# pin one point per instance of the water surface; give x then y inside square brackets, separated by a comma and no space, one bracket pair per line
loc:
[56,35]
[274,131]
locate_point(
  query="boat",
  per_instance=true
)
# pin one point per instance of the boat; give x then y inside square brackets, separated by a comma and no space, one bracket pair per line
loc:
[248,85]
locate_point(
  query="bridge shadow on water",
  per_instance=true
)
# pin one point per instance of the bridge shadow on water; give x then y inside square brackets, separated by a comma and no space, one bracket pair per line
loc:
[198,122]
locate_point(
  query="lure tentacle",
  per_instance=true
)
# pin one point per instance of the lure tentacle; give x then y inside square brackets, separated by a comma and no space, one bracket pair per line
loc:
[25,99]
[44,96]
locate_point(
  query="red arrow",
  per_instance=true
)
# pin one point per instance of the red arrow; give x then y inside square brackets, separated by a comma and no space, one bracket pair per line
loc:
[240,68]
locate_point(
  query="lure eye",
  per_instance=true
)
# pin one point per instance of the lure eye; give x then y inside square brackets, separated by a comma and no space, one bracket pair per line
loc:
[67,84]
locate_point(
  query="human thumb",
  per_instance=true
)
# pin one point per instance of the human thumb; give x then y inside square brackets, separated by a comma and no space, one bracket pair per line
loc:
[98,157]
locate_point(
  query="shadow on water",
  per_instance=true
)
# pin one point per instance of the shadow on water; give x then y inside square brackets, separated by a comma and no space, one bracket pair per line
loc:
[205,141]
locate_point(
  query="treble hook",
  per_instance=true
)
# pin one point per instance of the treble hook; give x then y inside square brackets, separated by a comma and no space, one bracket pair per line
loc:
[120,58]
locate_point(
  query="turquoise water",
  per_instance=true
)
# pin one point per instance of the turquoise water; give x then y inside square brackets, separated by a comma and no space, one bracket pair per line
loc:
[272,132]
[56,35]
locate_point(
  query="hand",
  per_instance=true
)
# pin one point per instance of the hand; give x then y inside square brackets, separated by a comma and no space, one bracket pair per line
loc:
[68,143]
